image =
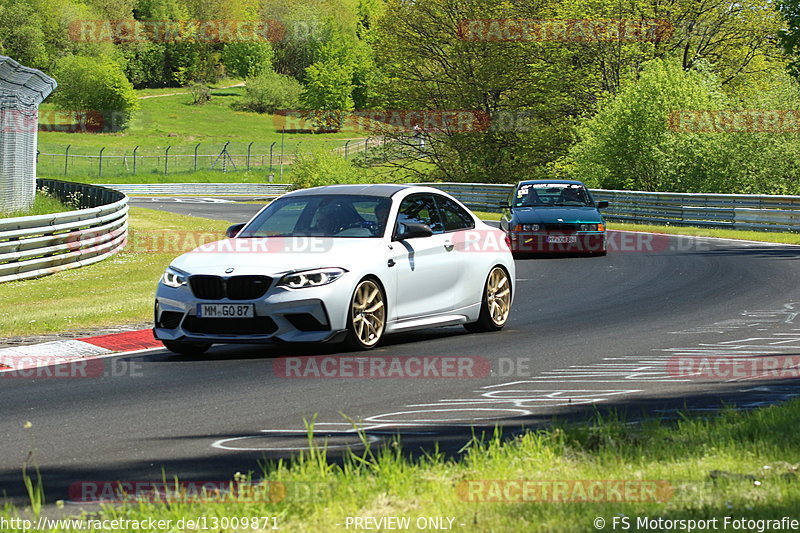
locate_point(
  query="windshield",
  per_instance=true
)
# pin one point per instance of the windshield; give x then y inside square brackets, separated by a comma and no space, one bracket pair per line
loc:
[336,215]
[552,194]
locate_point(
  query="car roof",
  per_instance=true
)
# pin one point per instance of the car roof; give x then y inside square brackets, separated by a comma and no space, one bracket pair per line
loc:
[565,182]
[380,189]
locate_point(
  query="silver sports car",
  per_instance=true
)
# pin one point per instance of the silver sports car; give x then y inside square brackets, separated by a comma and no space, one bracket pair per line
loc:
[339,263]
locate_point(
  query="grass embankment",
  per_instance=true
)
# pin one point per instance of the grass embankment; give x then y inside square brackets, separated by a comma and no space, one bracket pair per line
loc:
[43,204]
[764,236]
[115,291]
[173,121]
[739,465]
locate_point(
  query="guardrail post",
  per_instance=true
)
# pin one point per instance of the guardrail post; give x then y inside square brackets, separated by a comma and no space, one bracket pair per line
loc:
[195,156]
[134,159]
[346,149]
[100,168]
[248,154]
[271,146]
[66,158]
[166,160]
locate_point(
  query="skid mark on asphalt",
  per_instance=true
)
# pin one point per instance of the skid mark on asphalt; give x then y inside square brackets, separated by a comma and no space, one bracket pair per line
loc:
[504,402]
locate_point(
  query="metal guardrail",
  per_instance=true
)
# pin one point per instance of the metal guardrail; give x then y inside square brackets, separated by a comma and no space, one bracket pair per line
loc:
[479,196]
[732,211]
[201,189]
[35,246]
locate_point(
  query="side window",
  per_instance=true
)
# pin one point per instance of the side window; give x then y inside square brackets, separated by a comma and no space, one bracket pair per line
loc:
[420,209]
[453,215]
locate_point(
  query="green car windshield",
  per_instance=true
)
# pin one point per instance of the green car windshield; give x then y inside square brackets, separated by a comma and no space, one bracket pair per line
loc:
[551,194]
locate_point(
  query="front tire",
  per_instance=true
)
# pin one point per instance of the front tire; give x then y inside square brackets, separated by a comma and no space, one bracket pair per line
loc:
[366,317]
[187,348]
[495,304]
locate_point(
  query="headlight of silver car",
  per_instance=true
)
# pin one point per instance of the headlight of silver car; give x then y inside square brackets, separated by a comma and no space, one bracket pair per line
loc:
[311,278]
[173,278]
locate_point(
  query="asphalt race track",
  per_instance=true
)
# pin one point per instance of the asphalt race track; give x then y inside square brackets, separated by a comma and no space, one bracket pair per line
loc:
[584,333]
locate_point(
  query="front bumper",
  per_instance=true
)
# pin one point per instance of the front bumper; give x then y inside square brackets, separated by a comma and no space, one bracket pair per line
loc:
[301,315]
[583,242]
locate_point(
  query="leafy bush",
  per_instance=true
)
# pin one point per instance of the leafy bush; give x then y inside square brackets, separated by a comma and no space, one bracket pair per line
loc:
[200,93]
[97,85]
[325,168]
[629,144]
[329,85]
[247,59]
[270,92]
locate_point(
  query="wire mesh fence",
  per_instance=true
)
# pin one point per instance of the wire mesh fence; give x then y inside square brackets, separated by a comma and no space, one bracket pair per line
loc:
[228,157]
[22,89]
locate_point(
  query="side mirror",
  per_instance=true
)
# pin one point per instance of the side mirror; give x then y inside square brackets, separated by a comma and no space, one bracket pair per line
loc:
[412,230]
[602,205]
[233,231]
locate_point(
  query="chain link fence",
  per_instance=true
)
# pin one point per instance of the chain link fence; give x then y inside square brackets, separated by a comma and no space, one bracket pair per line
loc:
[228,157]
[22,89]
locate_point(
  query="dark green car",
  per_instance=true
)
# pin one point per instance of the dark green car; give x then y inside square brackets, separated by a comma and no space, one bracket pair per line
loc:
[554,216]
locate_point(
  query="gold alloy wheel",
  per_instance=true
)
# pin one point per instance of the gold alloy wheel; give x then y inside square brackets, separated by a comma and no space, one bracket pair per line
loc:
[368,313]
[498,295]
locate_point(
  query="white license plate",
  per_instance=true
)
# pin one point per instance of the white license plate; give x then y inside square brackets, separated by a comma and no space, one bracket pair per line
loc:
[562,239]
[226,310]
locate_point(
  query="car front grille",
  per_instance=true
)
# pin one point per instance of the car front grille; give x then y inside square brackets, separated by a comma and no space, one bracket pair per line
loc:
[234,288]
[260,325]
[247,287]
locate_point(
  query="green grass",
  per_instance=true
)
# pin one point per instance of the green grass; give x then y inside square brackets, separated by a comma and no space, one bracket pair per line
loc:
[174,121]
[764,236]
[201,176]
[731,464]
[170,90]
[115,291]
[43,204]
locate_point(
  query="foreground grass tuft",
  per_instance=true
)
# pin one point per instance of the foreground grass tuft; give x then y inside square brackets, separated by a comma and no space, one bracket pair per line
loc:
[43,204]
[734,464]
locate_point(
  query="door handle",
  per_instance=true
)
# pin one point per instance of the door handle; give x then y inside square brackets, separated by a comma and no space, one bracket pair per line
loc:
[448,246]
[390,263]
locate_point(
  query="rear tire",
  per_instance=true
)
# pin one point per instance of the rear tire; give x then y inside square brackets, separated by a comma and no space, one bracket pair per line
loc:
[495,304]
[366,316]
[187,348]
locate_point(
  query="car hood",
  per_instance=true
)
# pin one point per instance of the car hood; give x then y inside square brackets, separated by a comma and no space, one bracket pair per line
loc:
[276,255]
[568,215]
